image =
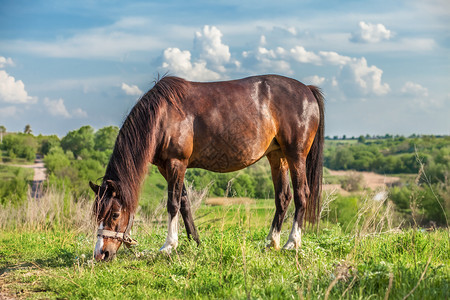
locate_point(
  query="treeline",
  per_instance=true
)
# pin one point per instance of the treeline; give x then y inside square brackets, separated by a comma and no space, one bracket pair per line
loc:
[19,146]
[71,162]
[392,156]
[80,156]
[426,196]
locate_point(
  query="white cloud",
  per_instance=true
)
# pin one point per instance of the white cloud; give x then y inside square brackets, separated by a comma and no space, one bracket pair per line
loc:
[361,79]
[414,89]
[354,77]
[371,33]
[334,58]
[418,97]
[300,54]
[5,61]
[314,80]
[281,29]
[292,30]
[262,40]
[267,60]
[13,91]
[56,107]
[79,113]
[208,43]
[209,60]
[179,62]
[132,90]
[334,82]
[265,53]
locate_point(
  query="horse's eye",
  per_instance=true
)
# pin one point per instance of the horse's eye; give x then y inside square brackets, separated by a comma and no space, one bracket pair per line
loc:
[115,216]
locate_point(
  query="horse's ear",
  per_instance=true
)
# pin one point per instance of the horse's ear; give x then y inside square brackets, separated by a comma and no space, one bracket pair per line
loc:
[94,187]
[114,187]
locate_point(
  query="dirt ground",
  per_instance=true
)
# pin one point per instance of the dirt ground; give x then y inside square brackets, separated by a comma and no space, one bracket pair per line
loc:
[370,180]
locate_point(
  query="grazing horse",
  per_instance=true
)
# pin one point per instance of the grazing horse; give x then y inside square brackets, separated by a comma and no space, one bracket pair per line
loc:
[221,127]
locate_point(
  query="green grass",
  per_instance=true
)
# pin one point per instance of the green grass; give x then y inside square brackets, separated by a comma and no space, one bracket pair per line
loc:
[4,157]
[231,263]
[9,172]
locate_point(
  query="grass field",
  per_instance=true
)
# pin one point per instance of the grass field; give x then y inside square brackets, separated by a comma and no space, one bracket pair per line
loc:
[8,172]
[47,261]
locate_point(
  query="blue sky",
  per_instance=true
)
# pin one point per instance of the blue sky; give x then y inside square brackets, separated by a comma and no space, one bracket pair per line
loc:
[384,65]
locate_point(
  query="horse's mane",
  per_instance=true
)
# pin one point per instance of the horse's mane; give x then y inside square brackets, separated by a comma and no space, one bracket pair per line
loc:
[136,143]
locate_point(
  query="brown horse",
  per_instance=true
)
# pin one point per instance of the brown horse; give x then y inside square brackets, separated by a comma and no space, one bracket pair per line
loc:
[221,127]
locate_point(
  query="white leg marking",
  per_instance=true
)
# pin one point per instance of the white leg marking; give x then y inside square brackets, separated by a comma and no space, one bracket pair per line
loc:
[99,244]
[172,235]
[273,238]
[295,237]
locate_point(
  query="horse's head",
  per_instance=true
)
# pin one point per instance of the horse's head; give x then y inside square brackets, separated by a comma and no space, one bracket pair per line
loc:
[113,219]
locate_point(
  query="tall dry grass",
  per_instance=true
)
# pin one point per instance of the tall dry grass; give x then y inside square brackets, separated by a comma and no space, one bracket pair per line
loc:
[58,209]
[55,209]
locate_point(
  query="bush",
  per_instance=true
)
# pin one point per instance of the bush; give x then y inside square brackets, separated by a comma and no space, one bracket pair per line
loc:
[20,146]
[80,139]
[430,203]
[343,211]
[15,188]
[352,182]
[56,160]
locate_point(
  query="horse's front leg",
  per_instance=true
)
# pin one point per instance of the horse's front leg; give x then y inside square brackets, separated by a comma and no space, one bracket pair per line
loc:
[175,170]
[185,210]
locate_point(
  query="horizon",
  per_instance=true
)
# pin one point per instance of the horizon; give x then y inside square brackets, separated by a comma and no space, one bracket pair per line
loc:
[340,137]
[384,66]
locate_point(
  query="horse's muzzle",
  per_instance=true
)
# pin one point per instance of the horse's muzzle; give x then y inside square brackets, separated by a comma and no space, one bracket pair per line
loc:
[105,255]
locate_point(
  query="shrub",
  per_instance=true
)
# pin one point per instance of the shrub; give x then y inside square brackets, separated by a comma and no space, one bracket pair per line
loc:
[352,182]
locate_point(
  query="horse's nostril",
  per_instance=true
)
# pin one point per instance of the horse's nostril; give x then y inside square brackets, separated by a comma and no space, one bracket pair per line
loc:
[106,255]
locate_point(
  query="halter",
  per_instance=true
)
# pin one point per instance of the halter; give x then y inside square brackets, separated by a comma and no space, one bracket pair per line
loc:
[123,237]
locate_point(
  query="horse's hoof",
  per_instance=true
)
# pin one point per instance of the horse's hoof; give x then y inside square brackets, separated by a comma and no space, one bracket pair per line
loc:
[272,245]
[168,247]
[290,245]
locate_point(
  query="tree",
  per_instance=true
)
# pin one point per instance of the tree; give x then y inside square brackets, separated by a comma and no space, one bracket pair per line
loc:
[27,129]
[2,131]
[361,139]
[49,142]
[80,139]
[105,138]
[56,160]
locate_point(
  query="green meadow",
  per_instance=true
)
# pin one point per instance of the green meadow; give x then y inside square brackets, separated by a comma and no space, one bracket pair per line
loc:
[53,259]
[389,242]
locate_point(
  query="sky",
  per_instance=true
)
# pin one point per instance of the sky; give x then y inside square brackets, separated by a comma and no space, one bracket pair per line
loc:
[383,65]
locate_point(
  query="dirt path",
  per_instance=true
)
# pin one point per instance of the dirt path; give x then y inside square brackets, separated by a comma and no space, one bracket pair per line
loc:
[370,180]
[39,169]
[40,175]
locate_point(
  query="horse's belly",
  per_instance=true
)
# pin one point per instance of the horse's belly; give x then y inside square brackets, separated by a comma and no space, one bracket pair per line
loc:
[227,155]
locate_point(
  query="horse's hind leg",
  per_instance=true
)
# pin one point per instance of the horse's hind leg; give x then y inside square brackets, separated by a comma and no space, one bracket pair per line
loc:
[297,168]
[280,177]
[188,220]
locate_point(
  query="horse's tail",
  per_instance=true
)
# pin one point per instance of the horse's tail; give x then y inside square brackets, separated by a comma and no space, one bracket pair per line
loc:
[314,163]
